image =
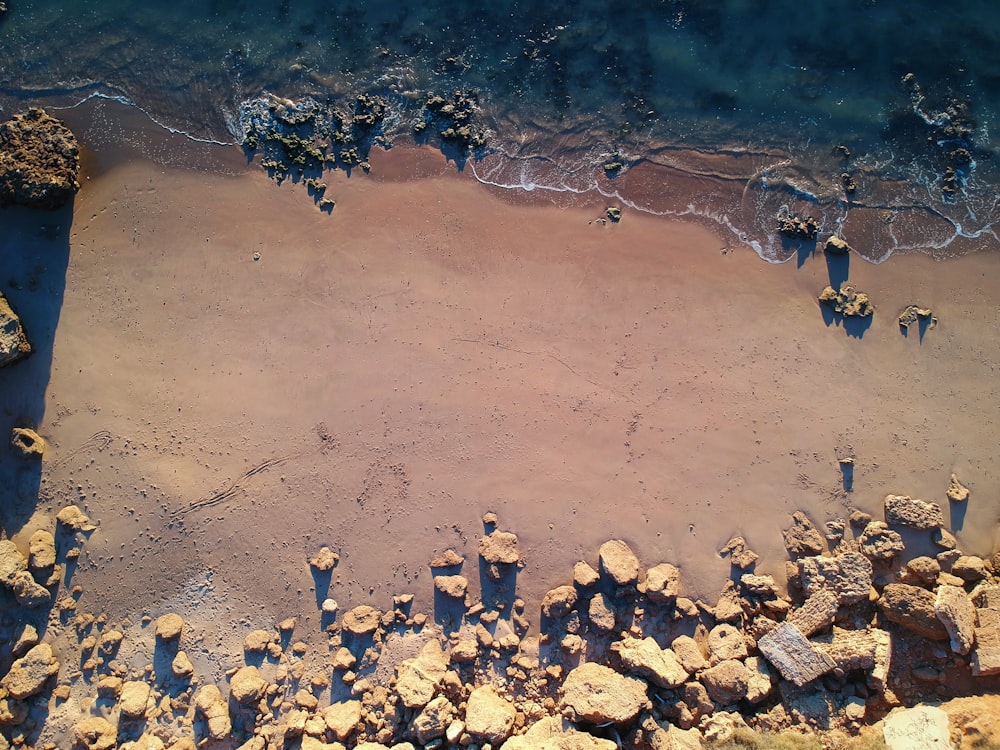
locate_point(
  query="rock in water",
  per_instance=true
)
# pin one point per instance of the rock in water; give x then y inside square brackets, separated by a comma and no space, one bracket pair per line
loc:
[957,492]
[39,161]
[13,343]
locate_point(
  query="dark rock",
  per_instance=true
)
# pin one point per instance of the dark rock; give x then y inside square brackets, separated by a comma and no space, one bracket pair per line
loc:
[13,342]
[39,161]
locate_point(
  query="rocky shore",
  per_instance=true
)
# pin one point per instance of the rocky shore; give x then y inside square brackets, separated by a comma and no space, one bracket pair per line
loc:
[619,656]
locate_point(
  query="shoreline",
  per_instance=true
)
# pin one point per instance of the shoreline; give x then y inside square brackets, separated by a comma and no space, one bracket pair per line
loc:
[432,351]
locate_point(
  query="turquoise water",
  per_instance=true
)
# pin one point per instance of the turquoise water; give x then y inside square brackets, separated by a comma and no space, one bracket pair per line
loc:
[729,111]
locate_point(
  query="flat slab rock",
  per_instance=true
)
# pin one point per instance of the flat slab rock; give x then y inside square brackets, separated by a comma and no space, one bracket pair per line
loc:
[917,728]
[791,653]
[902,510]
[598,694]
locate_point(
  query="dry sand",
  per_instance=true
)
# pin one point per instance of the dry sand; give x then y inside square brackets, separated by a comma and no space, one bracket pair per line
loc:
[434,350]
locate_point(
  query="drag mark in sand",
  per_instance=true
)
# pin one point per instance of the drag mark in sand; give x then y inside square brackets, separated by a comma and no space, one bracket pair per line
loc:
[232,490]
[98,442]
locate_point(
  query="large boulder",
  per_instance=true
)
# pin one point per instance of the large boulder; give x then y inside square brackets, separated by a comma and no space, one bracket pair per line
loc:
[27,675]
[489,716]
[133,701]
[902,510]
[956,612]
[433,721]
[913,608]
[879,542]
[342,718]
[559,601]
[13,341]
[95,733]
[598,694]
[247,686]
[618,562]
[645,658]
[211,707]
[418,678]
[726,682]
[848,576]
[41,550]
[662,583]
[39,161]
[792,654]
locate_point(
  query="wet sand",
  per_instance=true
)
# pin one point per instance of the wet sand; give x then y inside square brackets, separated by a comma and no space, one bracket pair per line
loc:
[432,350]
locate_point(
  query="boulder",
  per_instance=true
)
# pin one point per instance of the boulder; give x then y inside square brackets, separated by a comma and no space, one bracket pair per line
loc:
[902,510]
[726,682]
[645,658]
[488,715]
[169,627]
[500,547]
[986,654]
[726,642]
[847,576]
[740,555]
[95,733]
[688,653]
[584,575]
[601,613]
[956,612]
[924,568]
[362,620]
[28,592]
[816,613]
[133,701]
[760,679]
[913,608]
[454,587]
[324,560]
[836,246]
[26,442]
[555,733]
[41,551]
[39,161]
[879,542]
[11,562]
[957,492]
[847,301]
[802,538]
[619,563]
[181,666]
[74,519]
[433,720]
[597,694]
[247,686]
[559,602]
[211,707]
[257,641]
[791,653]
[917,728]
[417,679]
[662,583]
[28,675]
[969,568]
[342,719]
[450,559]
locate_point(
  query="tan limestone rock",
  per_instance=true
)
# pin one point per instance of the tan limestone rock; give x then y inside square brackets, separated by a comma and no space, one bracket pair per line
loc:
[247,686]
[584,575]
[41,550]
[601,613]
[13,341]
[28,675]
[488,715]
[645,658]
[619,563]
[597,694]
[418,678]
[726,682]
[342,718]
[558,602]
[802,537]
[902,510]
[95,733]
[211,706]
[913,608]
[362,620]
[74,519]
[726,642]
[169,627]
[662,583]
[956,612]
[791,653]
[957,492]
[324,560]
[133,702]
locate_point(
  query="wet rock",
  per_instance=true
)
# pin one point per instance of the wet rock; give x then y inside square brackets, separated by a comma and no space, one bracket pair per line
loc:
[133,701]
[601,613]
[342,719]
[39,161]
[956,612]
[211,706]
[798,228]
[362,620]
[848,576]
[418,678]
[619,563]
[662,583]
[917,728]
[324,560]
[95,733]
[836,246]
[957,492]
[802,538]
[969,568]
[247,686]
[645,658]
[847,301]
[902,510]
[584,575]
[28,675]
[488,715]
[912,608]
[41,551]
[558,602]
[454,587]
[597,694]
[74,519]
[879,542]
[726,642]
[169,627]
[791,653]
[726,682]
[27,443]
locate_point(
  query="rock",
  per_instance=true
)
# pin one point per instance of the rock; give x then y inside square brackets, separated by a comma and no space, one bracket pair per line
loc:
[554,733]
[816,613]
[802,538]
[211,706]
[257,641]
[836,246]
[902,510]
[924,568]
[342,719]
[418,678]
[957,492]
[454,587]
[601,613]
[645,658]
[325,560]
[146,741]
[879,542]
[584,575]
[559,602]
[912,608]
[725,642]
[12,562]
[667,736]
[433,720]
[109,687]
[247,686]
[944,539]
[39,161]
[329,606]
[95,733]
[729,608]
[740,555]
[181,666]
[362,620]
[169,627]
[721,727]
[41,551]
[619,563]
[500,547]
[489,716]
[74,519]
[28,675]
[133,701]
[847,301]
[597,694]
[726,682]
[28,592]
[760,679]
[793,655]
[796,227]
[763,586]
[27,443]
[688,653]
[464,651]
[969,568]
[26,639]
[917,728]
[848,576]
[915,314]
[956,612]
[986,654]
[450,559]
[662,583]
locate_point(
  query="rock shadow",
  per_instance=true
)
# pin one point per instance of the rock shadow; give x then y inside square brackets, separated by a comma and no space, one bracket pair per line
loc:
[854,326]
[957,513]
[34,256]
[838,267]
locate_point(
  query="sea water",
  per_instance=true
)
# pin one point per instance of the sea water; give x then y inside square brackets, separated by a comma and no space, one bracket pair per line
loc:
[873,117]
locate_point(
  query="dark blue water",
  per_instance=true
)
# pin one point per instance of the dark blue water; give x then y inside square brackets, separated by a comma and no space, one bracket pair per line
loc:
[874,117]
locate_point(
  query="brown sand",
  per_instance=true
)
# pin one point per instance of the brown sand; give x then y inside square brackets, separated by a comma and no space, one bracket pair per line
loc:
[432,351]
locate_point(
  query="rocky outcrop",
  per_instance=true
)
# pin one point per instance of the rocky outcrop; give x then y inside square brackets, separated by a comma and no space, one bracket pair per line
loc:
[597,694]
[13,341]
[39,161]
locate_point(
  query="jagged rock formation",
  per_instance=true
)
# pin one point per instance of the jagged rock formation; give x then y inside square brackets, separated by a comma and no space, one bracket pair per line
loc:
[39,161]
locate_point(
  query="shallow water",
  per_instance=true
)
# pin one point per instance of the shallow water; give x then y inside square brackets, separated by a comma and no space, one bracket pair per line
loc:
[731,112]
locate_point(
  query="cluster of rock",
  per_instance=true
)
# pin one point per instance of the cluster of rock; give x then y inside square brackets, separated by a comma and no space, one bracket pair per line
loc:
[847,301]
[39,161]
[797,227]
[621,658]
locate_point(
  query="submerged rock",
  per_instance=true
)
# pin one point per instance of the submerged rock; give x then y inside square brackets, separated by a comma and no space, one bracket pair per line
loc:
[39,161]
